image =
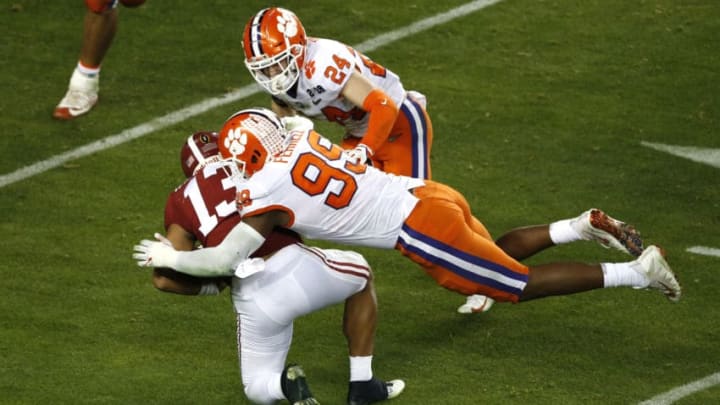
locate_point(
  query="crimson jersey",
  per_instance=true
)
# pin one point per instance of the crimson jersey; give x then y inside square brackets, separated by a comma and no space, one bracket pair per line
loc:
[204,205]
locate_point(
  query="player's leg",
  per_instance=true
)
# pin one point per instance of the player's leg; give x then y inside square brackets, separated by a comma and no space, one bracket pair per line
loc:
[347,271]
[295,281]
[465,262]
[474,303]
[650,270]
[298,280]
[262,349]
[521,243]
[437,236]
[407,150]
[99,28]
[359,325]
[592,225]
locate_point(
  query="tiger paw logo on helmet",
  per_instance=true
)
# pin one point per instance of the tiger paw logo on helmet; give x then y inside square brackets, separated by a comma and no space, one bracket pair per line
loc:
[236,141]
[286,24]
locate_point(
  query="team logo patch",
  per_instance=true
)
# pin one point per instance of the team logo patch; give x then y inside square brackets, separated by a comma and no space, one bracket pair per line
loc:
[236,141]
[242,199]
[286,24]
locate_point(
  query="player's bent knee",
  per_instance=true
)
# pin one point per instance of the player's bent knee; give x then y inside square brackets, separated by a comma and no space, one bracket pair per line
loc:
[257,392]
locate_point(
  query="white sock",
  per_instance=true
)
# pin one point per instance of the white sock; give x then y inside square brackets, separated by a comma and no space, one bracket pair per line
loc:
[622,274]
[88,71]
[562,232]
[360,368]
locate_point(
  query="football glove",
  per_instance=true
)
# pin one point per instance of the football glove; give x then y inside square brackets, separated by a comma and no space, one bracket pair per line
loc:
[361,154]
[296,122]
[155,253]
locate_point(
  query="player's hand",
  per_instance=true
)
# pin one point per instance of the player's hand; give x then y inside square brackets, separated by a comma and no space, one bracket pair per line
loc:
[155,253]
[296,122]
[361,154]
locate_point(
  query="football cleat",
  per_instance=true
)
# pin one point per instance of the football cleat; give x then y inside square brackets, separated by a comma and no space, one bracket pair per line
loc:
[652,265]
[596,225]
[476,304]
[81,97]
[373,390]
[294,386]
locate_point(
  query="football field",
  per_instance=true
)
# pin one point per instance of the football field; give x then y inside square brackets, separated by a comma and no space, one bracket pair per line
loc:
[541,110]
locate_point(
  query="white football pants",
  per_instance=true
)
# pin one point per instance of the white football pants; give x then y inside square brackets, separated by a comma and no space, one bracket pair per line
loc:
[296,280]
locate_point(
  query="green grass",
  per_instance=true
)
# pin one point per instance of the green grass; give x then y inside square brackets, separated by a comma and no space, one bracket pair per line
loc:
[539,108]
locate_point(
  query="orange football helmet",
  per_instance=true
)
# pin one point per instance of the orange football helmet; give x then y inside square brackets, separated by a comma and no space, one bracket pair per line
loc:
[200,149]
[274,45]
[250,138]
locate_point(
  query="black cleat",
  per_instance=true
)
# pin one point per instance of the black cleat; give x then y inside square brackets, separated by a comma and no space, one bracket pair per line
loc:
[373,390]
[294,386]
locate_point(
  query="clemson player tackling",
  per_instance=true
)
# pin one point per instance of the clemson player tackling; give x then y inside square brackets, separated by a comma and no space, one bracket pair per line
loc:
[300,180]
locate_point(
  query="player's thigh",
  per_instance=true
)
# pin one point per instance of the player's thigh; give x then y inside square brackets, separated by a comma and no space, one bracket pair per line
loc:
[298,280]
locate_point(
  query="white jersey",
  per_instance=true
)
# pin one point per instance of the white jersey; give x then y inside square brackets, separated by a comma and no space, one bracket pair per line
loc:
[327,68]
[327,197]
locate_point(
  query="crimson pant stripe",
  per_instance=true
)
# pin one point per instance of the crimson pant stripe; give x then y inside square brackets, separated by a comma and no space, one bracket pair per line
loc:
[341,267]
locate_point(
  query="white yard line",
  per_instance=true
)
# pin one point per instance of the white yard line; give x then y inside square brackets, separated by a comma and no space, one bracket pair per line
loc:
[209,104]
[683,391]
[709,157]
[704,250]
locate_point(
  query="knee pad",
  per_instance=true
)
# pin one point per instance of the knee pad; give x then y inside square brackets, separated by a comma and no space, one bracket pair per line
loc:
[100,6]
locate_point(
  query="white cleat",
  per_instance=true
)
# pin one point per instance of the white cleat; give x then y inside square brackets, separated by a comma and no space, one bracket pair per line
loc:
[394,388]
[596,225]
[476,304]
[652,265]
[81,97]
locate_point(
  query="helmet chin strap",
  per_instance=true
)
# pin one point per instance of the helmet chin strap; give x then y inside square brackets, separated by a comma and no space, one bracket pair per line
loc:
[237,170]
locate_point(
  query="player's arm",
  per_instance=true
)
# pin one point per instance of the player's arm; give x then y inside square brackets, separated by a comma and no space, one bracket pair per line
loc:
[217,261]
[382,109]
[171,281]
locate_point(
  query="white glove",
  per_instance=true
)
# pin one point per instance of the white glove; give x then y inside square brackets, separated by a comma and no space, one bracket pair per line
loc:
[296,122]
[361,154]
[155,254]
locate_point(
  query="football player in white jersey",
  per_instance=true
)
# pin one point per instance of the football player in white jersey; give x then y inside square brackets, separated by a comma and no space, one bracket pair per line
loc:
[328,80]
[325,79]
[300,180]
[295,280]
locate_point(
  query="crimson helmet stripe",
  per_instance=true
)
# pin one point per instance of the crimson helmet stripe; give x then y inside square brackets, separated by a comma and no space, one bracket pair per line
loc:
[256,33]
[195,150]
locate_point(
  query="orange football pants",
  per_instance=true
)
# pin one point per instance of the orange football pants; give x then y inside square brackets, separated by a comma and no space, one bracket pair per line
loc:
[407,150]
[455,249]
